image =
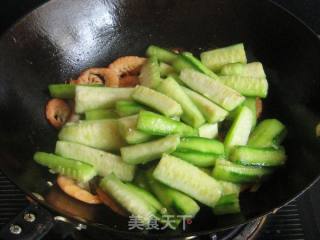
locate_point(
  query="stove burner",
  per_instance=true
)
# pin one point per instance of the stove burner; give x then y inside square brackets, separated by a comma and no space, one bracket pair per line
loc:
[12,200]
[244,232]
[285,224]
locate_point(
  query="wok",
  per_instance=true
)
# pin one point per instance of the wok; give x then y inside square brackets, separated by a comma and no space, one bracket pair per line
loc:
[59,39]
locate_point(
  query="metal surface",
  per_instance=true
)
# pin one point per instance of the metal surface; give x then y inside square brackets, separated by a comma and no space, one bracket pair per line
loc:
[21,228]
[15,229]
[296,221]
[62,37]
[12,200]
[29,217]
[286,224]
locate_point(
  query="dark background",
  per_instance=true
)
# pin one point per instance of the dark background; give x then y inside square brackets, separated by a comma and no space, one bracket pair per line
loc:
[308,10]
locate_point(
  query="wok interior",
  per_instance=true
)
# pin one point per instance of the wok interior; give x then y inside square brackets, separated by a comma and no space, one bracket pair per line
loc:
[58,40]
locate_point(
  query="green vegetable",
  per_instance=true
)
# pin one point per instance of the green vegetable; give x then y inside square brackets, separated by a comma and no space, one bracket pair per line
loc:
[160,190]
[128,198]
[181,175]
[71,168]
[199,159]
[128,108]
[100,114]
[148,197]
[174,200]
[240,129]
[217,58]
[161,54]
[230,188]
[211,111]
[157,101]
[250,103]
[103,162]
[206,170]
[62,90]
[181,63]
[175,76]
[247,86]
[92,98]
[102,134]
[201,145]
[156,124]
[228,204]
[191,114]
[254,69]
[146,152]
[128,130]
[231,172]
[172,119]
[183,203]
[150,73]
[229,201]
[268,133]
[209,130]
[214,90]
[66,91]
[166,69]
[267,157]
[198,65]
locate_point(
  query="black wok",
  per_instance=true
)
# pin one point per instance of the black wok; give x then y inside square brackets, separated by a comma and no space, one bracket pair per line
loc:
[58,40]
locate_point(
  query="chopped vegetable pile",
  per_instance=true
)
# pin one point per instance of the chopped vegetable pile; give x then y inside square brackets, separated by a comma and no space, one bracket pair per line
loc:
[165,134]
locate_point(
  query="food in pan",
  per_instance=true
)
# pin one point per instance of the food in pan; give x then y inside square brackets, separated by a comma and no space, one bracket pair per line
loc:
[165,134]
